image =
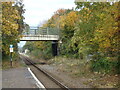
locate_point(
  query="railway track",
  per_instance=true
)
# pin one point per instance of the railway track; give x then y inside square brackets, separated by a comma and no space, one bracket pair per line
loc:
[47,80]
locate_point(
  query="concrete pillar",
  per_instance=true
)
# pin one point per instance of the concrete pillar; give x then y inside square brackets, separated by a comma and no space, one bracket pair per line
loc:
[55,48]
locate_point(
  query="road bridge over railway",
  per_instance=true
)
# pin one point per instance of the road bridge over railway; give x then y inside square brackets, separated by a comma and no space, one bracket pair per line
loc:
[42,34]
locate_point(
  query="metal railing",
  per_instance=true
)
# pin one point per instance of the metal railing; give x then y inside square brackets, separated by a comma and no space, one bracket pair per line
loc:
[40,34]
[41,31]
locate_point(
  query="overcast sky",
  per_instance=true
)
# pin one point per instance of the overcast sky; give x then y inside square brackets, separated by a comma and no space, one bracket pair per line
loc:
[40,10]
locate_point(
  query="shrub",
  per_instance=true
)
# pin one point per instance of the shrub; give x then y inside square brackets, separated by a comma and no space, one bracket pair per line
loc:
[101,65]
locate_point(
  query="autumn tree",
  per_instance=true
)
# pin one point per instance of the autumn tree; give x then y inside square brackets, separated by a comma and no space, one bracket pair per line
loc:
[12,19]
[0,28]
[97,32]
[20,8]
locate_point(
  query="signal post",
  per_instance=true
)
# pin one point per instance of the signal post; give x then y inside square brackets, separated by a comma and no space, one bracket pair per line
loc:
[11,51]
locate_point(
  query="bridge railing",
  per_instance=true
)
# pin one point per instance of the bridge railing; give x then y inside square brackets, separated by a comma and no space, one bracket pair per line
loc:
[41,31]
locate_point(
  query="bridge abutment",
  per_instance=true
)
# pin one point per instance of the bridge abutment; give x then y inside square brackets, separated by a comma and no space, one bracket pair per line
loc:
[55,48]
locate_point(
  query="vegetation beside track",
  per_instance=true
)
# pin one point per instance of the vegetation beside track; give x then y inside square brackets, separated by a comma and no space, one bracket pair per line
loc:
[16,62]
[77,68]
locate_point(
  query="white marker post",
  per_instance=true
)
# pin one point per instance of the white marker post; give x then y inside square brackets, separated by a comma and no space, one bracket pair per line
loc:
[11,50]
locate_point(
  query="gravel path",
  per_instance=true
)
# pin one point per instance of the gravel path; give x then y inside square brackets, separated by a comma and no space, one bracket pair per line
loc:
[17,78]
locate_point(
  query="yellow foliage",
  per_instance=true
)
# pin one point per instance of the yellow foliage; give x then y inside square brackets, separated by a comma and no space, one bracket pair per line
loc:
[106,29]
[10,16]
[69,19]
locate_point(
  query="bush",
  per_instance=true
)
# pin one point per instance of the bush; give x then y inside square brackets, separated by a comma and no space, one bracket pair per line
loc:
[101,65]
[117,65]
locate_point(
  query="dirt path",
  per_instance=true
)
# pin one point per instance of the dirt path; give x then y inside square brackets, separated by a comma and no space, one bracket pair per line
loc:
[17,78]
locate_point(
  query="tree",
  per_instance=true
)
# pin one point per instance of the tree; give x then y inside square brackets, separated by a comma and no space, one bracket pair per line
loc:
[26,29]
[10,25]
[0,29]
[97,33]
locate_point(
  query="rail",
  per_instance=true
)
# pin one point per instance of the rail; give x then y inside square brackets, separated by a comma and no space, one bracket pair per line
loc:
[48,75]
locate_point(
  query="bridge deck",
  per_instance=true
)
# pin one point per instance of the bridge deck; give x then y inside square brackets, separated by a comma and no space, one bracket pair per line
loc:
[39,34]
[39,38]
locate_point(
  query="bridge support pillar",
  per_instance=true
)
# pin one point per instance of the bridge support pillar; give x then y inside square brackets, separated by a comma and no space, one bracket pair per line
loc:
[55,48]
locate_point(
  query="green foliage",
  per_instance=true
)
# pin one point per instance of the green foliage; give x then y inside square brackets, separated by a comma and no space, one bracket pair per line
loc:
[96,32]
[117,65]
[39,49]
[101,65]
[29,46]
[104,65]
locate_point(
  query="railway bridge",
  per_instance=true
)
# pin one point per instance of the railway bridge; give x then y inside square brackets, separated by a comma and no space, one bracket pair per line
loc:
[42,34]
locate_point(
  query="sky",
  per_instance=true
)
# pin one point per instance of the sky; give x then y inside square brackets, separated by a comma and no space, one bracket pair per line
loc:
[37,11]
[40,10]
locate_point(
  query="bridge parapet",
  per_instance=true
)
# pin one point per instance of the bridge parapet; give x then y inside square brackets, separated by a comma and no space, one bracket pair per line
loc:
[42,31]
[40,34]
